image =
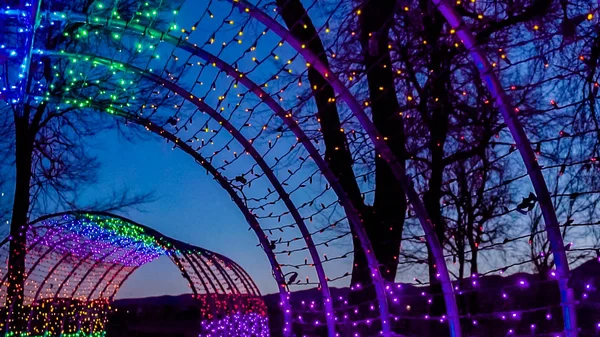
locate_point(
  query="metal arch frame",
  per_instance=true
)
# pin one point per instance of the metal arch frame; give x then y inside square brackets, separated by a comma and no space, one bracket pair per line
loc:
[351,212]
[233,288]
[128,271]
[101,279]
[83,278]
[224,183]
[256,156]
[64,281]
[118,286]
[549,224]
[50,273]
[201,263]
[185,256]
[93,267]
[91,294]
[220,270]
[248,278]
[222,265]
[212,273]
[516,129]
[33,245]
[42,284]
[50,249]
[523,144]
[250,149]
[43,256]
[225,274]
[171,247]
[183,270]
[39,290]
[280,112]
[284,295]
[249,289]
[108,270]
[397,169]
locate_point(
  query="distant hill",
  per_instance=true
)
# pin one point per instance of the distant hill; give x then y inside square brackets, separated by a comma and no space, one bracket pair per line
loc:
[525,293]
[182,300]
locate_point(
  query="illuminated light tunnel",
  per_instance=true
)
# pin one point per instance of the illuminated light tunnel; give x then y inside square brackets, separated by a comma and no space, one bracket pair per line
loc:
[225,97]
[77,261]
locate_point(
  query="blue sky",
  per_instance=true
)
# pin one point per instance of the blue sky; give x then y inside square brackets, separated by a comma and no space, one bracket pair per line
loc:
[190,207]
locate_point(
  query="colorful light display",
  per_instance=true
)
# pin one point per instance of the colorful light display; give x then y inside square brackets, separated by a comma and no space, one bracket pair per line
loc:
[237,325]
[76,263]
[202,89]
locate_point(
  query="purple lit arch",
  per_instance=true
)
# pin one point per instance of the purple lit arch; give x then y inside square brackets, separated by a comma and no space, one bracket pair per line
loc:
[82,258]
[199,268]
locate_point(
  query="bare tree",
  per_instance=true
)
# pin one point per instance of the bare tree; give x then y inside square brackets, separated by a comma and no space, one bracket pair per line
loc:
[384,219]
[49,133]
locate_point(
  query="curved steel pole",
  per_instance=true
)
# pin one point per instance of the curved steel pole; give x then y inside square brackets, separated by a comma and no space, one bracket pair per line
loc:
[37,293]
[384,151]
[43,256]
[226,277]
[94,290]
[248,279]
[212,273]
[328,303]
[206,291]
[262,237]
[224,183]
[58,292]
[232,286]
[249,290]
[256,156]
[223,266]
[118,282]
[183,272]
[486,72]
[33,245]
[71,274]
[50,272]
[83,278]
[112,279]
[110,298]
[101,279]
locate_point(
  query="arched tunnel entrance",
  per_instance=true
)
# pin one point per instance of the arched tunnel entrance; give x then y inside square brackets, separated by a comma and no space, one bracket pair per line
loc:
[77,261]
[232,100]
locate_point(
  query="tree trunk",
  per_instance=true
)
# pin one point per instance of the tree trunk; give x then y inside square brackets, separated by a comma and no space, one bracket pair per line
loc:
[384,221]
[18,227]
[435,103]
[390,202]
[337,154]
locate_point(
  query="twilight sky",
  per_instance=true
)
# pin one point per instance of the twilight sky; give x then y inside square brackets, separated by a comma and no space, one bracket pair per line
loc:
[190,207]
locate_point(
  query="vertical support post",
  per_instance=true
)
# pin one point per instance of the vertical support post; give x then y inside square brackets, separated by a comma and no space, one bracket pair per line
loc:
[523,144]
